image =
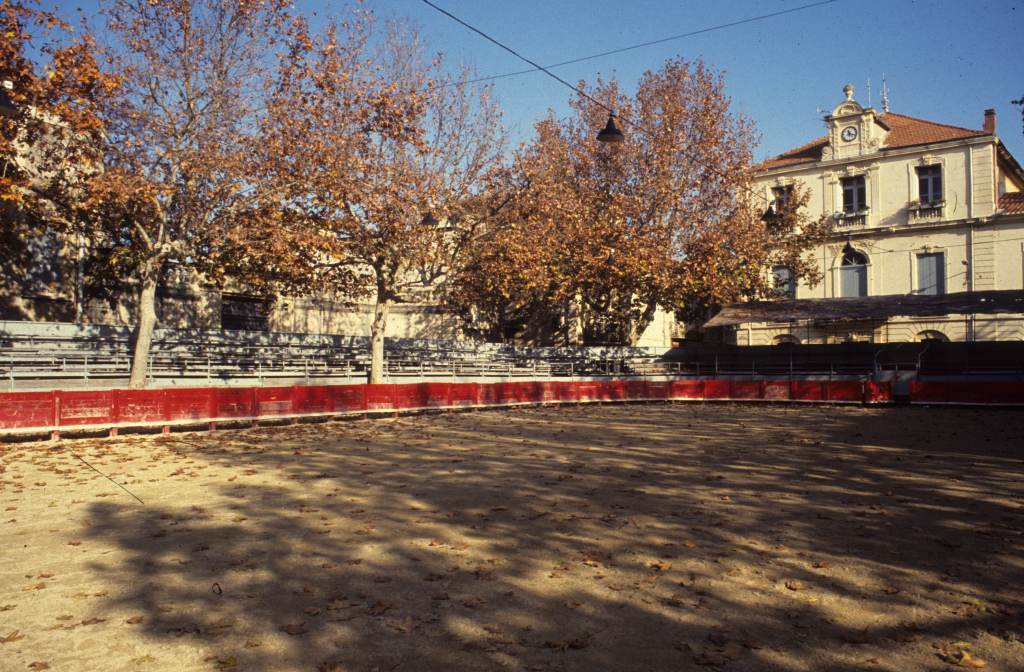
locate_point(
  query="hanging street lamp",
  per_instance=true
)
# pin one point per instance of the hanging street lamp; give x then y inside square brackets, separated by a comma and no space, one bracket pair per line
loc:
[611,133]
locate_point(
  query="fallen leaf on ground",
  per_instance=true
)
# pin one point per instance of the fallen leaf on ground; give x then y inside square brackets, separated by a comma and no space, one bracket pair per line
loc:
[710,658]
[961,657]
[378,608]
[575,643]
[967,660]
[11,637]
[294,628]
[856,637]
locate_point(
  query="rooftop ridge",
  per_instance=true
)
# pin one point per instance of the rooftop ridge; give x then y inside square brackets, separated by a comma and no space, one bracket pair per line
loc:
[929,121]
[789,154]
[904,131]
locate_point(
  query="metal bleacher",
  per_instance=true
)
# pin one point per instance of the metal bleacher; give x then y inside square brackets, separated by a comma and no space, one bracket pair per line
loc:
[35,356]
[97,359]
[45,355]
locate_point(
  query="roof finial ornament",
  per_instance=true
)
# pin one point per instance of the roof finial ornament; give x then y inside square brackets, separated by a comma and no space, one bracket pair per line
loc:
[848,90]
[885,95]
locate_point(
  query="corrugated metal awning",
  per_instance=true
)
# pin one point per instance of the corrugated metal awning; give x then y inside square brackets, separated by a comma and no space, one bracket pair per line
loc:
[870,307]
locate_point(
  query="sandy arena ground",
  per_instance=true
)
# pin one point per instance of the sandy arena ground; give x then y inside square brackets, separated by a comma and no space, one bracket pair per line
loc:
[640,537]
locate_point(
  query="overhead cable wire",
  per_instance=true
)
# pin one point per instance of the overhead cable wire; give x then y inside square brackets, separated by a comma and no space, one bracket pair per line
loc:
[642,45]
[537,66]
[579,91]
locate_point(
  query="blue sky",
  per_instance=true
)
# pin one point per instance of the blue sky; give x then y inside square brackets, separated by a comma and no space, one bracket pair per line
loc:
[944,60]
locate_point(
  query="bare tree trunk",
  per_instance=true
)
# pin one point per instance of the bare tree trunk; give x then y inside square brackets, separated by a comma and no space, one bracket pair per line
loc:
[377,328]
[144,330]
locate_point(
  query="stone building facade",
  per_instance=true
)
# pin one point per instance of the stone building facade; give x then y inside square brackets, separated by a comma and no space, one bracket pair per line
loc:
[919,207]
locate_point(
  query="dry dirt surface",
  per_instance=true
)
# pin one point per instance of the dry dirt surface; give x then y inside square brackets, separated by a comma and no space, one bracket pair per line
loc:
[617,537]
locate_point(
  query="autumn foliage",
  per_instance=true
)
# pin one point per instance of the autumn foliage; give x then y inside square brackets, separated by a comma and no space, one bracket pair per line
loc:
[598,237]
[370,155]
[50,130]
[234,144]
[176,167]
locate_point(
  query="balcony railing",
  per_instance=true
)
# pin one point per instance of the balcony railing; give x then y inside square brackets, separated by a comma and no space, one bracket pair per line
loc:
[925,212]
[851,220]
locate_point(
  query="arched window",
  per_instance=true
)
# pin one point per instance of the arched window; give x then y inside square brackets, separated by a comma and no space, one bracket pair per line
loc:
[785,339]
[853,274]
[932,335]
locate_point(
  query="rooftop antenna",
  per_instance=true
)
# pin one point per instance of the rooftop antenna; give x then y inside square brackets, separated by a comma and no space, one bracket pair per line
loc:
[869,92]
[885,95]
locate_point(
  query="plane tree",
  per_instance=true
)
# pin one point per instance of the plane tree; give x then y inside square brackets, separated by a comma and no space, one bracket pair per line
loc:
[176,166]
[372,154]
[52,89]
[598,236]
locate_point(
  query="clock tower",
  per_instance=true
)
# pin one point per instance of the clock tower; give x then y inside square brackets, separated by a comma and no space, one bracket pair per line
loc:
[853,130]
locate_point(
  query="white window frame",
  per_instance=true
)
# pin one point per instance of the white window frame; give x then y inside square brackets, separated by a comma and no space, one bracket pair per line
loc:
[913,187]
[931,202]
[860,207]
[869,173]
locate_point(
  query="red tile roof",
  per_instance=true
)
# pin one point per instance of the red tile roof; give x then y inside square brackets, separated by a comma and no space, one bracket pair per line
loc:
[904,132]
[803,154]
[1012,203]
[908,131]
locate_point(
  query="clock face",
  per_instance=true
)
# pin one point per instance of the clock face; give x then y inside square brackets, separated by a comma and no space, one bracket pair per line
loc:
[850,133]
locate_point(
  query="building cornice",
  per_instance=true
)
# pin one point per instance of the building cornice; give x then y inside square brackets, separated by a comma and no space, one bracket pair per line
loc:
[995,219]
[883,153]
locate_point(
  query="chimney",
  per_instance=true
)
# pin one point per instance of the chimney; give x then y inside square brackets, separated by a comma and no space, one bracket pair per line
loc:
[990,121]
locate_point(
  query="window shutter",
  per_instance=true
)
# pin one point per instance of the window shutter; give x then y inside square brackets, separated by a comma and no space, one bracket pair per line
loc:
[853,281]
[931,276]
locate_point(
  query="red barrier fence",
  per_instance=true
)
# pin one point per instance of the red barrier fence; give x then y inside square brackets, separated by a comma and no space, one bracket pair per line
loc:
[989,394]
[24,412]
[52,411]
